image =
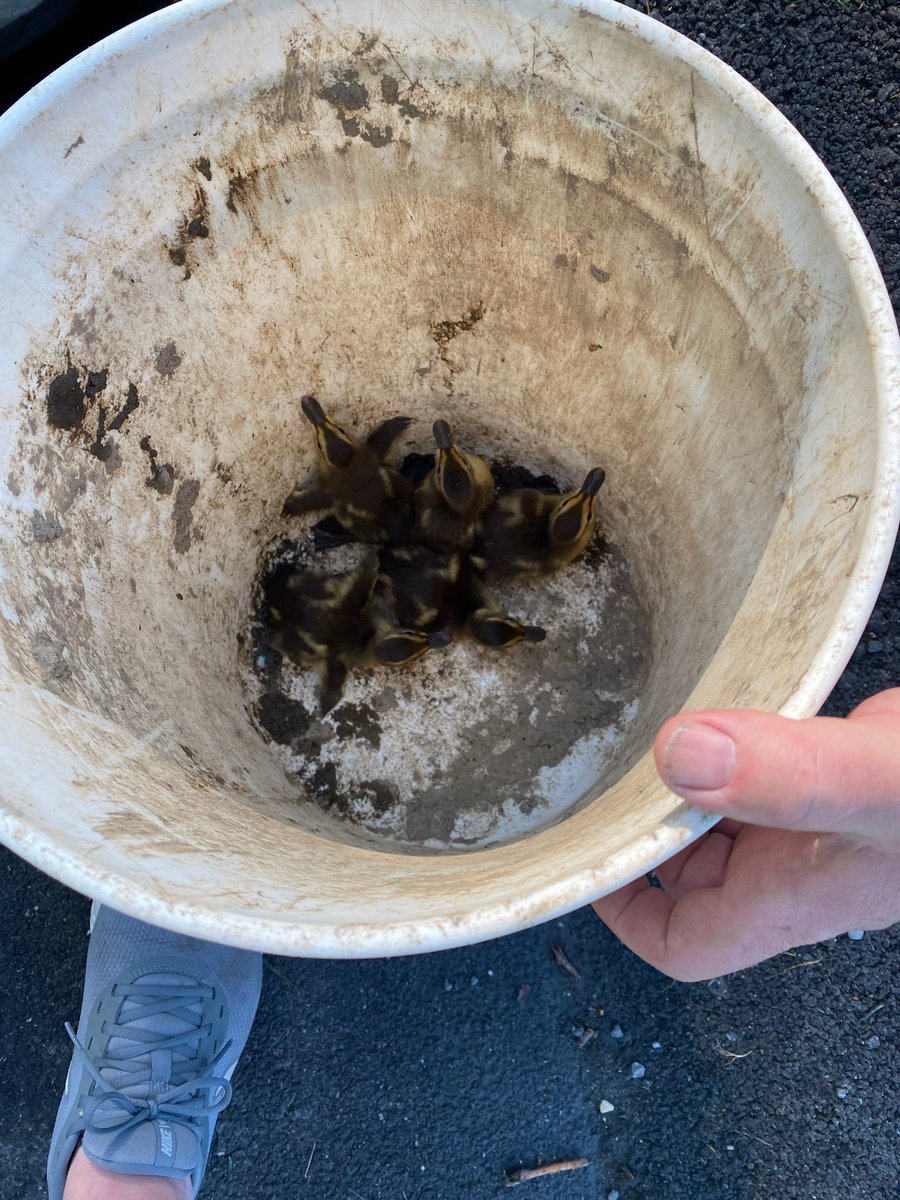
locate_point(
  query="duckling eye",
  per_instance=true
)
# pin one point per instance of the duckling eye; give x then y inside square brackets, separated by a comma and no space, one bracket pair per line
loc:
[570,522]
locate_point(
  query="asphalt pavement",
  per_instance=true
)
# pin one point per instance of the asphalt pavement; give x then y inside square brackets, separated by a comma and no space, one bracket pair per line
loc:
[427,1078]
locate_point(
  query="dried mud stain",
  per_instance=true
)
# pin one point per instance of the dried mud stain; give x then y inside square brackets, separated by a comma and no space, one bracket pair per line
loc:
[162,475]
[183,516]
[66,408]
[346,91]
[168,360]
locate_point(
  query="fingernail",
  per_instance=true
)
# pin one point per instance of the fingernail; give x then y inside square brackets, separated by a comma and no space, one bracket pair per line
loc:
[698,756]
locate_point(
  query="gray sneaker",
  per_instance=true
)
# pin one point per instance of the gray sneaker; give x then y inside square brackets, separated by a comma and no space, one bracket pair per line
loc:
[163,1022]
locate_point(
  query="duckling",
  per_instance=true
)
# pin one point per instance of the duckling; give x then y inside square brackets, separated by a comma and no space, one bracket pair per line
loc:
[354,483]
[489,624]
[395,647]
[450,502]
[322,620]
[411,605]
[528,533]
[494,628]
[419,585]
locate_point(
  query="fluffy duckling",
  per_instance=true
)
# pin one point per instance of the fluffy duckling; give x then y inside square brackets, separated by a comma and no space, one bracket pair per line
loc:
[412,603]
[322,620]
[450,502]
[419,585]
[353,482]
[493,627]
[528,533]
[489,624]
[395,646]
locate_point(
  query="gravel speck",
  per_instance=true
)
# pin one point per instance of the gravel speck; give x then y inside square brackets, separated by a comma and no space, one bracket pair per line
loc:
[638,1070]
[856,935]
[616,1031]
[606,1107]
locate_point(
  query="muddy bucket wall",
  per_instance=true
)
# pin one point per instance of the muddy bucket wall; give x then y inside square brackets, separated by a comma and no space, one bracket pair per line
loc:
[576,237]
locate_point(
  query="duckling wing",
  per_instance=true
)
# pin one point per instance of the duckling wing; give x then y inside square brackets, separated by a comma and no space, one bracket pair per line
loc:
[417,582]
[305,499]
[384,435]
[513,538]
[290,588]
[359,587]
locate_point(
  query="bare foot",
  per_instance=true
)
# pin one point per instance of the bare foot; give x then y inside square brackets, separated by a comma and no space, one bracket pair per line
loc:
[86,1181]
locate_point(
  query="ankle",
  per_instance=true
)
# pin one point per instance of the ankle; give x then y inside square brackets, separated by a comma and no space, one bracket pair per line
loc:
[87,1181]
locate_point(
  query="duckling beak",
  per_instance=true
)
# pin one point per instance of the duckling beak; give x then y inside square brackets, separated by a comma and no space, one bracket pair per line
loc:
[593,482]
[437,641]
[313,411]
[443,438]
[534,633]
[333,443]
[576,510]
[451,471]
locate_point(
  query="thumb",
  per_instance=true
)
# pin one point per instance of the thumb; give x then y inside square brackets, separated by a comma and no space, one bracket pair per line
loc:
[822,774]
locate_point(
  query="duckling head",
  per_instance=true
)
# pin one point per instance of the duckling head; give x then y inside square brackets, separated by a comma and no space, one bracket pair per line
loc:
[502,632]
[454,471]
[575,514]
[334,444]
[405,645]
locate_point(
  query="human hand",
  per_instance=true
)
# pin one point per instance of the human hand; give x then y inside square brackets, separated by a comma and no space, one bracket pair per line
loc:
[809,847]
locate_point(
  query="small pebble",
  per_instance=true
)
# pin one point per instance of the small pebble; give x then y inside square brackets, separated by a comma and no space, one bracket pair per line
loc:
[616,1031]
[638,1070]
[843,1093]
[875,647]
[856,935]
[874,1042]
[448,986]
[656,1046]
[729,1147]
[606,1107]
[731,1037]
[473,982]
[613,1195]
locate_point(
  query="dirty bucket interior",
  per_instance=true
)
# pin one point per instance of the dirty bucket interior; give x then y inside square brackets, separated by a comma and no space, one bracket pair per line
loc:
[540,224]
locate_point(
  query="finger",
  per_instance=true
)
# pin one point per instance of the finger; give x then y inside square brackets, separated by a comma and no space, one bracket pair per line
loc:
[823,774]
[729,828]
[639,916]
[701,865]
[705,934]
[882,704]
[788,889]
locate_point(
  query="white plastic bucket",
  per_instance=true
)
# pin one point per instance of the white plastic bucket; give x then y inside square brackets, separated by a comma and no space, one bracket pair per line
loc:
[229,204]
